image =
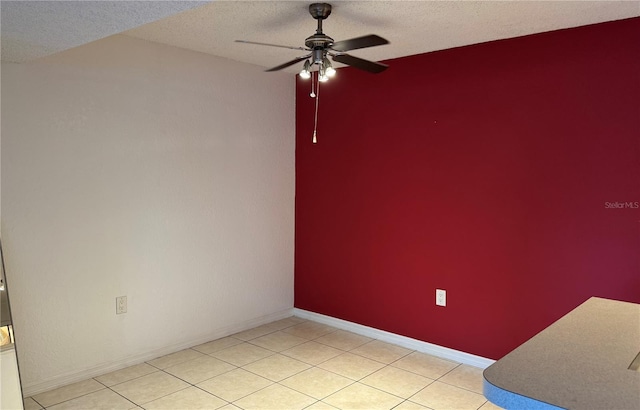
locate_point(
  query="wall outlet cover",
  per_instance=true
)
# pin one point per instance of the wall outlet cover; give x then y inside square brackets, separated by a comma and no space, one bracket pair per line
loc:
[121,305]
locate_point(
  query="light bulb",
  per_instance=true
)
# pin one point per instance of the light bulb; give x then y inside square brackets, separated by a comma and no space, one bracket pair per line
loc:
[330,71]
[305,73]
[322,75]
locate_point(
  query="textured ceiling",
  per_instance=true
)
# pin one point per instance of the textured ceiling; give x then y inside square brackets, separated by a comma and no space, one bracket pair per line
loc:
[35,29]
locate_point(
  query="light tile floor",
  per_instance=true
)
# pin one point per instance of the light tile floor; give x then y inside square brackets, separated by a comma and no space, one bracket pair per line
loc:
[288,364]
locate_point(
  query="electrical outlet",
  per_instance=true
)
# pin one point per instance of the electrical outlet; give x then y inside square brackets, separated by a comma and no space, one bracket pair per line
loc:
[121,305]
[441,297]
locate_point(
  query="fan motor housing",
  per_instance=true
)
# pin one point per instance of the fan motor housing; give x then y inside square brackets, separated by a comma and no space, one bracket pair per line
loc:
[318,41]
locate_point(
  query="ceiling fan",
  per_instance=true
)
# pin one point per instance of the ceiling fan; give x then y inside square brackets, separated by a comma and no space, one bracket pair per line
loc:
[320,45]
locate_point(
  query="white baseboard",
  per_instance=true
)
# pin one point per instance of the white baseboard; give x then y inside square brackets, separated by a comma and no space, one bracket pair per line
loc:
[88,373]
[403,341]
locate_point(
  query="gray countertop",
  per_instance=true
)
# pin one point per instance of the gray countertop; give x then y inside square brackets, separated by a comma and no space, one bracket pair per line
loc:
[579,362]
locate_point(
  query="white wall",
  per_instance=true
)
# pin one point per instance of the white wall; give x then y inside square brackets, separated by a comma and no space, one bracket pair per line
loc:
[133,168]
[10,397]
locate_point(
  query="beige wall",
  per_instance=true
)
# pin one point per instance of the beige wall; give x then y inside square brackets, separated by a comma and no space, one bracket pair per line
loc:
[133,168]
[11,397]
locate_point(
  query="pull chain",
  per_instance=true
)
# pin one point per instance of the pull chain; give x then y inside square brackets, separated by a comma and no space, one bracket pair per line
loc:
[315,124]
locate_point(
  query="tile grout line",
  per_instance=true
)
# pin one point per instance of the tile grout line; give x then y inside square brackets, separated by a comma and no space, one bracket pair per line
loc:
[37,402]
[130,401]
[449,384]
[64,401]
[227,402]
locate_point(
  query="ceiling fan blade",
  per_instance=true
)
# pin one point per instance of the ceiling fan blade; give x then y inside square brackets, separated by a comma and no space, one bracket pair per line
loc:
[366,65]
[289,63]
[359,42]
[271,45]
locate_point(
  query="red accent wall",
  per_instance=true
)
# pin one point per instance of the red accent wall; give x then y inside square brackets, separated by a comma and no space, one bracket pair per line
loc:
[483,170]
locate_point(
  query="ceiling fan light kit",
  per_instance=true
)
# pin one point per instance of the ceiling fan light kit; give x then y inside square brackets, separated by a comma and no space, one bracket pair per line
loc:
[319,45]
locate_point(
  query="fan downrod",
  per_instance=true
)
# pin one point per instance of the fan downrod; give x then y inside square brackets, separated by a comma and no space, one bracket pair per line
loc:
[320,11]
[319,41]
